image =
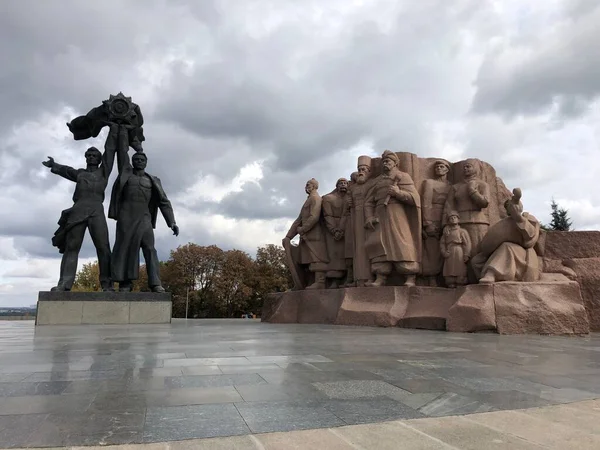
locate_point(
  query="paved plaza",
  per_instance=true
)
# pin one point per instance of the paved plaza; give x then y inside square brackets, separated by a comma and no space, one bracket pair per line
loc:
[99,385]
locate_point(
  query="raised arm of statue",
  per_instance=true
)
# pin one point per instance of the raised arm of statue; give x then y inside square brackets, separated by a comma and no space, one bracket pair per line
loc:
[480,194]
[67,172]
[110,148]
[123,162]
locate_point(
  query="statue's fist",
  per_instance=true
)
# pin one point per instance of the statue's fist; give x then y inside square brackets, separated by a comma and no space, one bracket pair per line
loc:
[50,163]
[175,229]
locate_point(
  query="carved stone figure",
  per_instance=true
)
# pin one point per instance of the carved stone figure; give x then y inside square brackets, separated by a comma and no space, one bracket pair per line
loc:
[87,212]
[435,193]
[313,250]
[136,198]
[333,211]
[455,248]
[470,198]
[347,225]
[393,214]
[507,251]
[117,109]
[356,202]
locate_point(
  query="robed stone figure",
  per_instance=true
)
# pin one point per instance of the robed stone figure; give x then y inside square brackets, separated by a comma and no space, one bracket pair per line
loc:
[393,213]
[313,250]
[87,212]
[136,198]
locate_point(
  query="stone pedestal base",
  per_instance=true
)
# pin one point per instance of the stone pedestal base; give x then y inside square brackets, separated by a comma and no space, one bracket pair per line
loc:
[545,307]
[81,308]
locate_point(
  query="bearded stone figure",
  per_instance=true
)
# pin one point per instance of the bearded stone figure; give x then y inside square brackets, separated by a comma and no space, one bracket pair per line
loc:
[393,214]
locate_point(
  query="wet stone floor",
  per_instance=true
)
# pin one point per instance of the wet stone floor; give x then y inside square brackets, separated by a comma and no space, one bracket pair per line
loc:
[97,385]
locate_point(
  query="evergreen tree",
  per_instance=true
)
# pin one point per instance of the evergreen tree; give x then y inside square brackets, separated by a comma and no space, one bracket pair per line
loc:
[560,218]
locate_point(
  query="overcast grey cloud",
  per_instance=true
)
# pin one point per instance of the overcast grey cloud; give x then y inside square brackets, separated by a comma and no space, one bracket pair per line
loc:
[245,101]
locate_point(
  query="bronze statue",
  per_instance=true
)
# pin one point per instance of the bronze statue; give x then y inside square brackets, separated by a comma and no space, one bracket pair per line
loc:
[87,212]
[312,247]
[333,210]
[393,214]
[136,198]
[435,193]
[455,248]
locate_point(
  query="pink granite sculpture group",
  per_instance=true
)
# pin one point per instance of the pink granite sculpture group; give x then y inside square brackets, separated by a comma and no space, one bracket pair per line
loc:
[442,236]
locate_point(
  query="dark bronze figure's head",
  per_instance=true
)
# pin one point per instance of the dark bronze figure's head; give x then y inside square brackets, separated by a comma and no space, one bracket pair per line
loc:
[139,161]
[93,157]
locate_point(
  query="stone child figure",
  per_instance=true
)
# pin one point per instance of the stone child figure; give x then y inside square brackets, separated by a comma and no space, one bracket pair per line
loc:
[393,214]
[87,212]
[333,211]
[470,198]
[435,193]
[136,198]
[507,252]
[313,250]
[455,248]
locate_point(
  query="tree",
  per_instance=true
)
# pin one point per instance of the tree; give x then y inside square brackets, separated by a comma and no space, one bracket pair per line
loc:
[271,274]
[233,286]
[193,268]
[560,218]
[88,278]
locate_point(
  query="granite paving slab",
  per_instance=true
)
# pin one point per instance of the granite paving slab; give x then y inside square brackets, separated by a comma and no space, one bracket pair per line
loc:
[130,384]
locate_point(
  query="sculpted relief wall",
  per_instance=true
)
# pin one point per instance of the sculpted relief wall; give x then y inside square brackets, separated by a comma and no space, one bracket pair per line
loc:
[385,225]
[426,243]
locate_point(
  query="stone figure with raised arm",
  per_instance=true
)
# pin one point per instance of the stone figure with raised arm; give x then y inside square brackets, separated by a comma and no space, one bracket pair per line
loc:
[393,214]
[87,212]
[507,252]
[136,199]
[470,198]
[312,247]
[435,193]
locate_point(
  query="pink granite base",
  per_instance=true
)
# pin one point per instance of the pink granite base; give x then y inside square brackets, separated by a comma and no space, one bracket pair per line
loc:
[548,307]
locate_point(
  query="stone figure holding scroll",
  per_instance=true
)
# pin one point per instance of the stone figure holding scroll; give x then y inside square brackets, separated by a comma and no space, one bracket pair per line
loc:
[435,193]
[393,214]
[313,250]
[333,211]
[507,252]
[470,198]
[136,198]
[455,248]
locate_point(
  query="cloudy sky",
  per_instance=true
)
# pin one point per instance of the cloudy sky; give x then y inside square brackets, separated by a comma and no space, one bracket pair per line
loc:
[246,100]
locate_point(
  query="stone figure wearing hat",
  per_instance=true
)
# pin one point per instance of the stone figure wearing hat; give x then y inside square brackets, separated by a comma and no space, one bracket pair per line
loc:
[435,192]
[333,212]
[455,248]
[356,204]
[393,214]
[470,198]
[508,250]
[313,250]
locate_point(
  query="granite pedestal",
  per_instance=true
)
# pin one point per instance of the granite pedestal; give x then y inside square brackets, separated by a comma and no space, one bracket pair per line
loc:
[552,306]
[80,308]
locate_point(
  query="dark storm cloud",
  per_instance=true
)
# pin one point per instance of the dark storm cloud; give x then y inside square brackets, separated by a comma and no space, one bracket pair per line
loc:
[560,67]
